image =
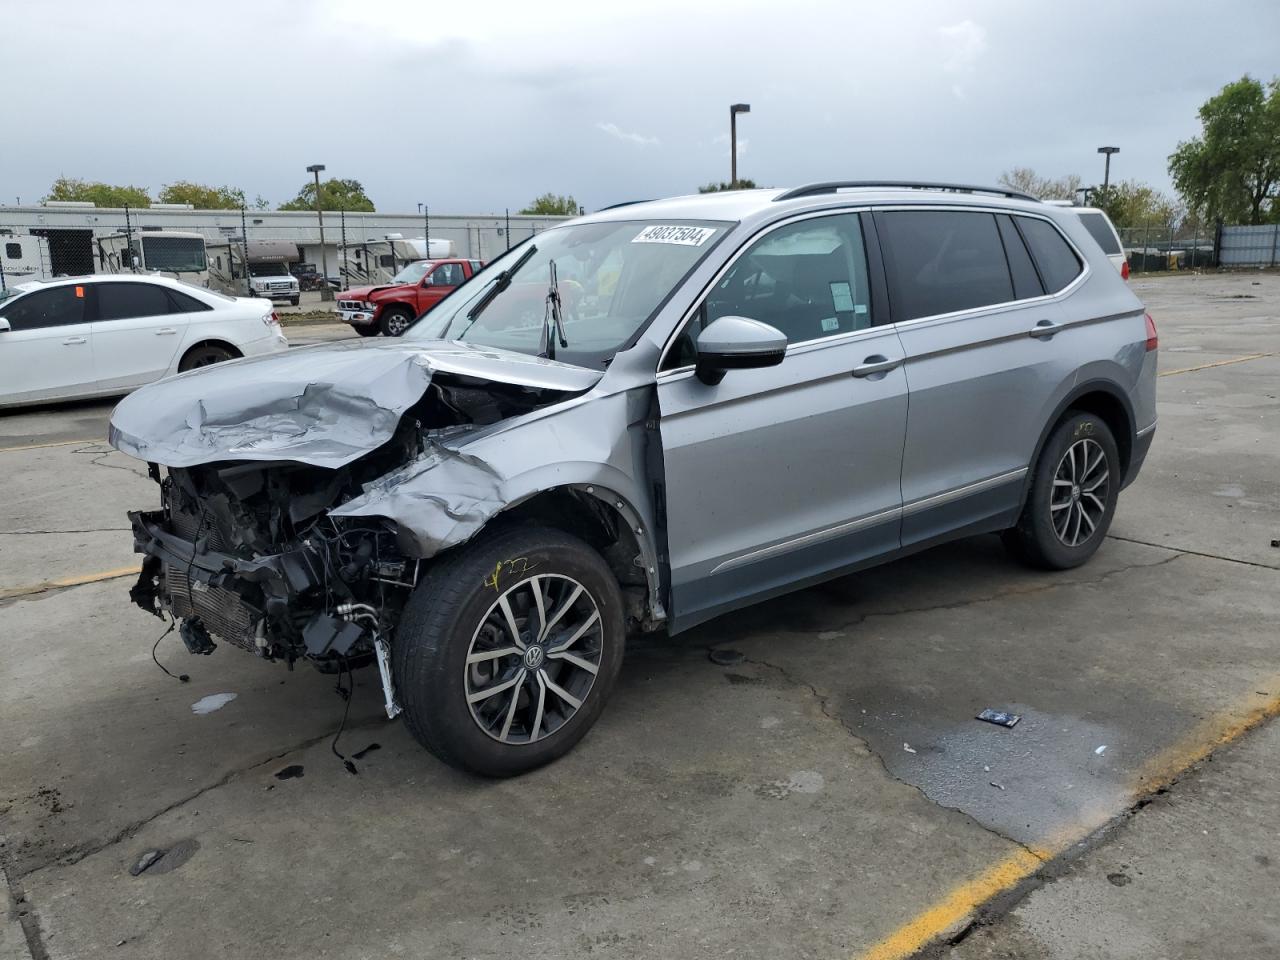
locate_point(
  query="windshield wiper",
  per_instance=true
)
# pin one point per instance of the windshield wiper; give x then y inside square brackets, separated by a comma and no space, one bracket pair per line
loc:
[500,283]
[553,320]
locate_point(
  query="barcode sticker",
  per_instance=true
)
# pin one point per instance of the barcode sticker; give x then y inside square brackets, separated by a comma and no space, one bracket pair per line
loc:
[685,236]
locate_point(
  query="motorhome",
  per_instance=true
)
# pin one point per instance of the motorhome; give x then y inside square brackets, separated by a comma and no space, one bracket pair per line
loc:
[375,262]
[170,253]
[23,257]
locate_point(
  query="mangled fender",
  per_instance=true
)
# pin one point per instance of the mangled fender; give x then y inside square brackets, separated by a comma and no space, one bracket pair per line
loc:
[325,405]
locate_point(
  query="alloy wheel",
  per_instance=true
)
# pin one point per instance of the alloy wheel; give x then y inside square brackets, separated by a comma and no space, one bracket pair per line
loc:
[1078,501]
[533,659]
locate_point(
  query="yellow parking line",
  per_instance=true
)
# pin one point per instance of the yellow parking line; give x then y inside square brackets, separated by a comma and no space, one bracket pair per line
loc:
[41,446]
[959,903]
[11,592]
[1216,363]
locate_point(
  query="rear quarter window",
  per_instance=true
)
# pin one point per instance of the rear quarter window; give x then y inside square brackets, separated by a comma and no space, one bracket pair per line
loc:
[1054,257]
[1100,229]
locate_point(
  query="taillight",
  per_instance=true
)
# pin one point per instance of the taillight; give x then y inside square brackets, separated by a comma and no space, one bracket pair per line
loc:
[271,319]
[1124,270]
[1153,341]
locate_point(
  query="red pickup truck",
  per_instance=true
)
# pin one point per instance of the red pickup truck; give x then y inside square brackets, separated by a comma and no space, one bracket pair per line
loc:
[413,291]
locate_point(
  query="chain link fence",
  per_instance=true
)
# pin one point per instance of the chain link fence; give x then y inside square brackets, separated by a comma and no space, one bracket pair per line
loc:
[222,249]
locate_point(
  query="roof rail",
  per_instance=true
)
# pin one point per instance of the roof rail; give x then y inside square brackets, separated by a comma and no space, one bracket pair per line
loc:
[831,186]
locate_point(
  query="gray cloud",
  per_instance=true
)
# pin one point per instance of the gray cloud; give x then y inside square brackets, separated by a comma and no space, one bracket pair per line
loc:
[476,112]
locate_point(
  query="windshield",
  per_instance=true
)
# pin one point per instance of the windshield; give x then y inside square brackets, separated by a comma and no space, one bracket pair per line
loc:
[174,254]
[269,270]
[612,277]
[413,272]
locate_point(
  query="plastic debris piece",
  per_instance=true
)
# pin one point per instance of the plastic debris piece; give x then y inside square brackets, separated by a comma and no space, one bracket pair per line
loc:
[998,786]
[986,769]
[726,658]
[1101,750]
[1000,718]
[145,862]
[1275,543]
[907,747]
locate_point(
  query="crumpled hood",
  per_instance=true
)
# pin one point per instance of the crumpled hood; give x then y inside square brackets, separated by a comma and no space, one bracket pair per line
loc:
[325,405]
[365,293]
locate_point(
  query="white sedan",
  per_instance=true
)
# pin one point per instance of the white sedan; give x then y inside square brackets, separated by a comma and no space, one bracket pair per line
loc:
[105,335]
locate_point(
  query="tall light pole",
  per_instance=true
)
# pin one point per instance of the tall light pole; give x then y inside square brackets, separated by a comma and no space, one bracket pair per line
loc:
[1106,170]
[326,292]
[734,110]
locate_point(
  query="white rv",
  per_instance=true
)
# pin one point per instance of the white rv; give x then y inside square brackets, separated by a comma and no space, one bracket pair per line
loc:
[374,262]
[170,253]
[23,258]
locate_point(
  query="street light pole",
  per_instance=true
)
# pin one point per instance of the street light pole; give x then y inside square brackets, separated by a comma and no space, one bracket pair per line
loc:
[1106,171]
[734,110]
[326,292]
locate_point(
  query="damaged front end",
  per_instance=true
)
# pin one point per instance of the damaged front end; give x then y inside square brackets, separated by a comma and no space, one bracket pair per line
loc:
[251,545]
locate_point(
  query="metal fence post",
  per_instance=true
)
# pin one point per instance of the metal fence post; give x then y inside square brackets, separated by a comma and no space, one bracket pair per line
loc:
[1275,235]
[1146,245]
[244,241]
[1195,241]
[426,227]
[1,273]
[128,239]
[507,228]
[342,268]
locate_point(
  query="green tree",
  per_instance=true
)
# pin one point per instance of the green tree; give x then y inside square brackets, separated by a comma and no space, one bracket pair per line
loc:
[1132,204]
[202,197]
[738,184]
[1232,170]
[100,194]
[553,205]
[1026,180]
[335,194]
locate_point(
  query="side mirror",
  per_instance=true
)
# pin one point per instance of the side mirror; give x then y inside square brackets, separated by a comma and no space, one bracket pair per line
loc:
[428,282]
[4,325]
[737,343]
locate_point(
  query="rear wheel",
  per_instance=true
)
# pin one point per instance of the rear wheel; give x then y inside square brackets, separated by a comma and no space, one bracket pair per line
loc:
[205,355]
[1073,496]
[508,650]
[396,320]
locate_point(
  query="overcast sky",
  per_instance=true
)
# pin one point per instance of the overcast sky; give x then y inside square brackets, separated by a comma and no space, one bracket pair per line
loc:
[474,107]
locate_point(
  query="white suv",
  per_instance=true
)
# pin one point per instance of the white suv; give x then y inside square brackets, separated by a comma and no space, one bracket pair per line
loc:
[1103,230]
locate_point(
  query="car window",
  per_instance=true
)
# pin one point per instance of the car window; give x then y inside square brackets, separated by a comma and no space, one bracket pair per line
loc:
[808,279]
[447,275]
[1099,228]
[475,266]
[182,303]
[120,301]
[56,307]
[941,261]
[1054,257]
[1026,282]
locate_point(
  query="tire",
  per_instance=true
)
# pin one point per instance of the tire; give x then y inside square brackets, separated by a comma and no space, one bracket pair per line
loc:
[395,321]
[205,355]
[1072,497]
[456,612]
[295,300]
[369,331]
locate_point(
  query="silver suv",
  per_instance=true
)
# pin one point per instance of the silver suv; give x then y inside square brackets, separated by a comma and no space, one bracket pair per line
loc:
[639,420]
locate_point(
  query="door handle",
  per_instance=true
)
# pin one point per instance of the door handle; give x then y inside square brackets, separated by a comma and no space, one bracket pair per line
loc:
[73,340]
[876,363]
[1044,330]
[165,331]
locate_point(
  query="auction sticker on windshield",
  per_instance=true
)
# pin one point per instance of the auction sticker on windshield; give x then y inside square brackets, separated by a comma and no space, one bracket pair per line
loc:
[685,236]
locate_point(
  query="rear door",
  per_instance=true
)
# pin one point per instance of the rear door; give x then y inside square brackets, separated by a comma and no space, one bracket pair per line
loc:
[779,476]
[47,353]
[136,334]
[984,360]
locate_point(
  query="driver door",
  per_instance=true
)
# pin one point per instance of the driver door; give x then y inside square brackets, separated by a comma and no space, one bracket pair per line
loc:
[438,284]
[783,476]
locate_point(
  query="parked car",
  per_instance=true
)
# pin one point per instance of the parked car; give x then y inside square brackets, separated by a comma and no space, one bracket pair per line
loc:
[750,392]
[412,292]
[1104,232]
[104,335]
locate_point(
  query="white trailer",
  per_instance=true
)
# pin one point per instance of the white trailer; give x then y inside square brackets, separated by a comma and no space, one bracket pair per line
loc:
[375,262]
[23,258]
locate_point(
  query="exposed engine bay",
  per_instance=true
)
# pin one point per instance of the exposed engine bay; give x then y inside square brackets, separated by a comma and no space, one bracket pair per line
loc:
[249,552]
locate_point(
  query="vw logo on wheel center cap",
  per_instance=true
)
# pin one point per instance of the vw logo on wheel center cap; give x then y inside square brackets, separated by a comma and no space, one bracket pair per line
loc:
[533,656]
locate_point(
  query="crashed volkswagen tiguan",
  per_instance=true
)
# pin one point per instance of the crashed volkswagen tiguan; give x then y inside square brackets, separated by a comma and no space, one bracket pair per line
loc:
[635,421]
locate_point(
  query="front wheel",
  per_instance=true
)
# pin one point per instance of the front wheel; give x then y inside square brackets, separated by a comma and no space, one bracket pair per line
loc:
[1073,496]
[294,301]
[508,650]
[396,320]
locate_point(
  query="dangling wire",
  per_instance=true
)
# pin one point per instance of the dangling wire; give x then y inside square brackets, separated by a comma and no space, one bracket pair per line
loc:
[346,695]
[172,623]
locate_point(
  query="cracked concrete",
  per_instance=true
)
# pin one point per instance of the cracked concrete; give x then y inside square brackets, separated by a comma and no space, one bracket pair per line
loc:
[763,810]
